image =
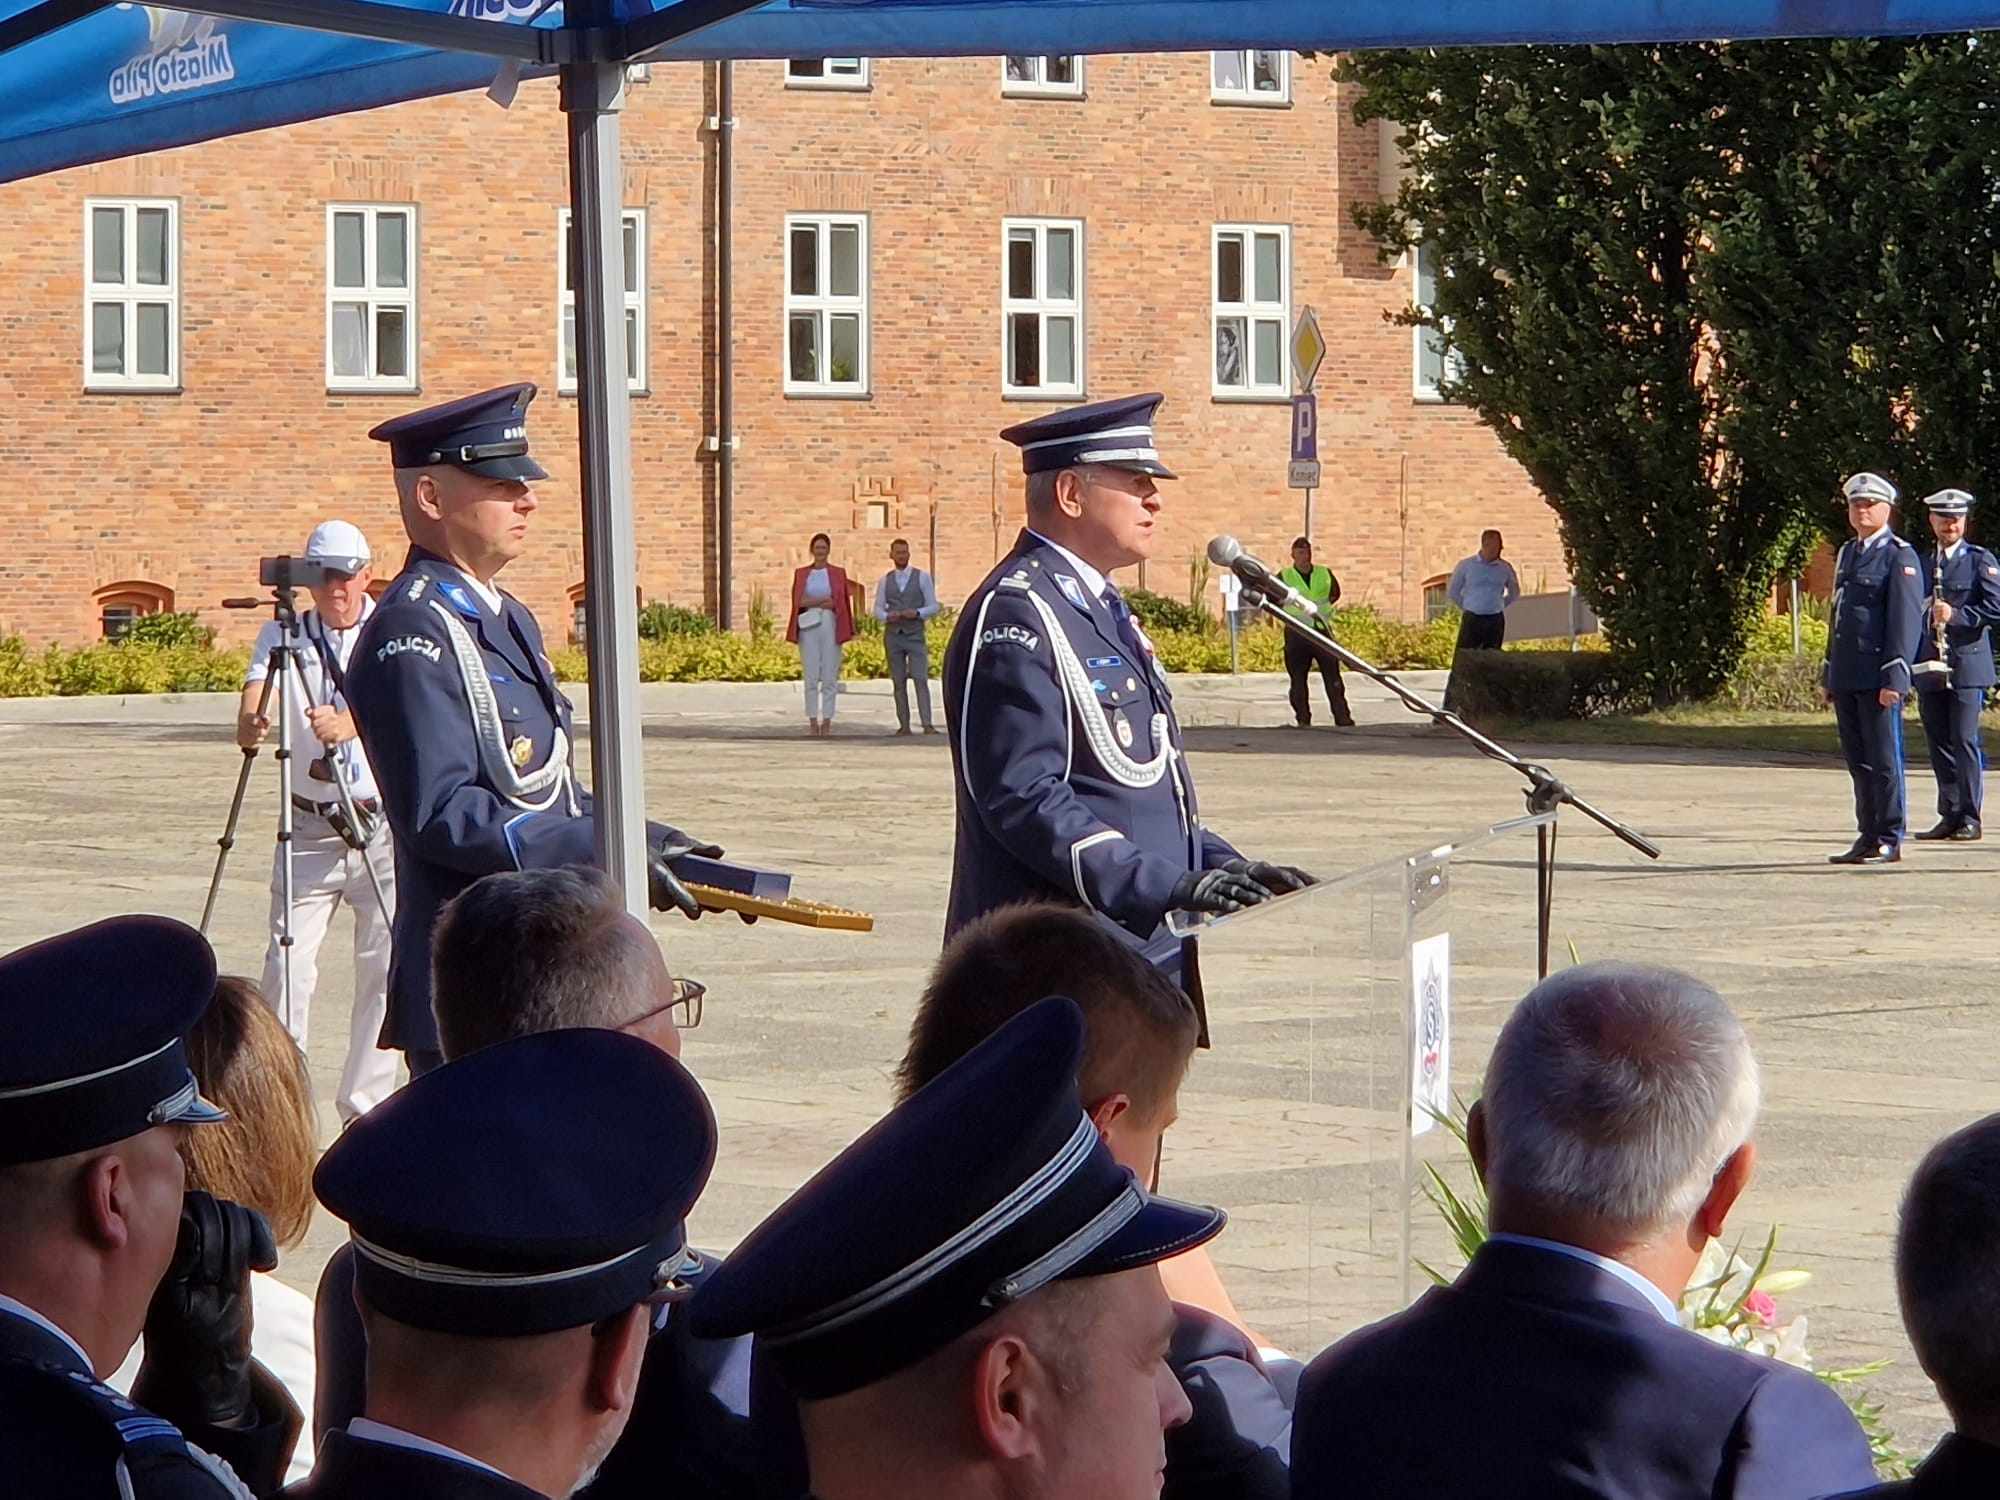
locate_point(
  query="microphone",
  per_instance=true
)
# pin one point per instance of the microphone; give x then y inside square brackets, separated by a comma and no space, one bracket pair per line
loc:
[1227,552]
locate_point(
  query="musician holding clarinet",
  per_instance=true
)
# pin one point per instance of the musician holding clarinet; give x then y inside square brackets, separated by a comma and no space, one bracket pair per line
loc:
[1954,665]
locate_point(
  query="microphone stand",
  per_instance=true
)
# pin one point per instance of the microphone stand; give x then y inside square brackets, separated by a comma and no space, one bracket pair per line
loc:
[1545,791]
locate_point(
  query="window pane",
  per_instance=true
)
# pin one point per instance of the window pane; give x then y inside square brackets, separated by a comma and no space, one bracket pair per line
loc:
[805,260]
[107,245]
[392,249]
[1229,268]
[632,255]
[1270,278]
[107,338]
[152,248]
[1024,349]
[152,339]
[1060,69]
[1021,263]
[1062,351]
[1229,72]
[350,339]
[1430,358]
[843,67]
[1267,72]
[844,349]
[632,370]
[1229,335]
[564,258]
[347,252]
[1020,69]
[569,343]
[1424,292]
[805,346]
[844,260]
[392,352]
[1062,264]
[806,67]
[1270,340]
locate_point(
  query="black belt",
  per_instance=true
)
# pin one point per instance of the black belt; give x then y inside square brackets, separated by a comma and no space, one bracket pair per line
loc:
[367,805]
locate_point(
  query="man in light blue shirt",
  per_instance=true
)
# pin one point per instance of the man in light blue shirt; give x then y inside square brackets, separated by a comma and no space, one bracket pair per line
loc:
[1482,586]
[904,600]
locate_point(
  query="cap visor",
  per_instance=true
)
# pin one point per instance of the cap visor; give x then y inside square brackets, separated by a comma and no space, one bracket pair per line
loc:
[1163,1228]
[523,467]
[1145,466]
[198,1111]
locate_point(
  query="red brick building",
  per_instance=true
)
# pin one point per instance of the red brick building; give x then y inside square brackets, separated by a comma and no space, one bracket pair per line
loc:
[923,252]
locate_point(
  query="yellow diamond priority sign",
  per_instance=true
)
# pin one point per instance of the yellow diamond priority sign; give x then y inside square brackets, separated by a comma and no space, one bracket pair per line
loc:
[1308,348]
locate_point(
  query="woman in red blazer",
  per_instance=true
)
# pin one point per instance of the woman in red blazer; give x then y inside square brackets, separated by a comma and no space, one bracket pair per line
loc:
[822,622]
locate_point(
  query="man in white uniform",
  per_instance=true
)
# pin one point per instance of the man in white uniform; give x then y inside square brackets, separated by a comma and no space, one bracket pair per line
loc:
[326,869]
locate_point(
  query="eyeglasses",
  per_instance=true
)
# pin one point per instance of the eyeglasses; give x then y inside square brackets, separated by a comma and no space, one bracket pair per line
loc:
[686,1006]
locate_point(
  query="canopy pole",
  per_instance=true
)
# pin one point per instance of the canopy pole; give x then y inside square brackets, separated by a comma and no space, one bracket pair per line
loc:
[592,95]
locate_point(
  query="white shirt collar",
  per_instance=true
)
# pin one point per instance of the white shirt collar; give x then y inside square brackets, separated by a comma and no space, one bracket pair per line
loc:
[1954,549]
[366,1431]
[351,633]
[488,594]
[902,575]
[1656,1298]
[1876,540]
[1092,580]
[23,1311]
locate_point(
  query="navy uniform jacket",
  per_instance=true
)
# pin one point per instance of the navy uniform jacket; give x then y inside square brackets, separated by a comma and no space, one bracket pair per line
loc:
[1237,1442]
[64,1435]
[1959,1468]
[1972,589]
[1878,617]
[1537,1374]
[349,1469]
[1057,801]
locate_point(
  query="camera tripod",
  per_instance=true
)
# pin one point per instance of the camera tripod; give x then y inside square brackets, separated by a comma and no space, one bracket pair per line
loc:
[355,830]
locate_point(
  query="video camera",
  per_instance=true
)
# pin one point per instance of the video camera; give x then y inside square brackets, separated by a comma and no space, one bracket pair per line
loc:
[287,572]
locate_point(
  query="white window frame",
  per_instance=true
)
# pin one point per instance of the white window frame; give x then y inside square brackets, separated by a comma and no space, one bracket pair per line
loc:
[1249,94]
[1427,391]
[825,304]
[375,297]
[1252,310]
[130,292]
[635,302]
[853,82]
[1039,87]
[1042,306]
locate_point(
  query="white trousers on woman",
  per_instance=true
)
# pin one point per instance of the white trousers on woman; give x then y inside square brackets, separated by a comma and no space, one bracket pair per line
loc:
[819,649]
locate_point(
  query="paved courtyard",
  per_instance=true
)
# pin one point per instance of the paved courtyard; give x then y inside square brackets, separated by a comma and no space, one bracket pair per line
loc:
[1866,991]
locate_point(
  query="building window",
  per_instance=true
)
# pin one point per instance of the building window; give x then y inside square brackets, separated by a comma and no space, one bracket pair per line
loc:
[1250,78]
[635,303]
[1436,601]
[578,629]
[131,295]
[371,297]
[826,73]
[120,604]
[1433,364]
[1041,307]
[1253,309]
[1059,76]
[826,305]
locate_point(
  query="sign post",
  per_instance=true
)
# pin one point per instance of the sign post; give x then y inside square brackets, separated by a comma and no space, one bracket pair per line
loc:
[1308,349]
[1231,589]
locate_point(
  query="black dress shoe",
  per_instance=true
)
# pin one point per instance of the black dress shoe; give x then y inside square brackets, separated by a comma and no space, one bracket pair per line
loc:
[1882,854]
[1966,833]
[1853,855]
[1943,829]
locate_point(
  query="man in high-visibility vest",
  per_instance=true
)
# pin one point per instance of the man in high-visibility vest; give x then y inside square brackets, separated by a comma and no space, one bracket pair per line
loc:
[1318,584]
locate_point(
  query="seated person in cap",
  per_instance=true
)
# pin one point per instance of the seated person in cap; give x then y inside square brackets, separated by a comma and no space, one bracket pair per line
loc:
[1072,784]
[1139,1036]
[533,951]
[511,1252]
[99,1241]
[966,1301]
[457,701]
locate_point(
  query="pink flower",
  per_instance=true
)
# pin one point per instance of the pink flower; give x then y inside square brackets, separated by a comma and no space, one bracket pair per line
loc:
[1761,1307]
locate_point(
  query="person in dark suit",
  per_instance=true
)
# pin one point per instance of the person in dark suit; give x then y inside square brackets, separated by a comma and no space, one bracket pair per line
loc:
[1072,781]
[1139,1037]
[511,1254]
[1878,613]
[1965,610]
[1613,1137]
[99,1242]
[457,702]
[536,950]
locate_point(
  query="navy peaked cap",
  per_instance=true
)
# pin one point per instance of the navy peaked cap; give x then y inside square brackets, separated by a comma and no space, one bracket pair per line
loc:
[1869,488]
[486,433]
[538,1184]
[1117,434]
[986,1185]
[93,1029]
[1950,503]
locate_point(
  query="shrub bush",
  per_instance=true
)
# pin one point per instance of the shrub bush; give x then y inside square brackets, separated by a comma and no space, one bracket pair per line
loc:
[1547,685]
[1786,683]
[659,621]
[169,628]
[1156,612]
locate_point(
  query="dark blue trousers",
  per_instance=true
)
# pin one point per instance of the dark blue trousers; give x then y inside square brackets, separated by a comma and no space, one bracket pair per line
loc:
[1951,724]
[1871,737]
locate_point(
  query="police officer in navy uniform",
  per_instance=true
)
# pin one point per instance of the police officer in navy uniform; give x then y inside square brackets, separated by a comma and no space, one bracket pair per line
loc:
[518,1218]
[1072,782]
[99,1242]
[1878,614]
[457,702]
[1967,611]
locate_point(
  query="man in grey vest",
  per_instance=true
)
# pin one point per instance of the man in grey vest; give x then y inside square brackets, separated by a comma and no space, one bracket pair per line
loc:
[904,600]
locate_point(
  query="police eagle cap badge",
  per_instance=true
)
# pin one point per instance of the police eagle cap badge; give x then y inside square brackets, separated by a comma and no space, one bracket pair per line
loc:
[520,751]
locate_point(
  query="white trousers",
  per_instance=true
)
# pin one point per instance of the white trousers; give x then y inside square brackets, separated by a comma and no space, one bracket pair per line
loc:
[819,649]
[326,872]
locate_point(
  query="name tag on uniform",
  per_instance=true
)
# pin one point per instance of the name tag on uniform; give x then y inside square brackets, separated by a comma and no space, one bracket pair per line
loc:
[1104,661]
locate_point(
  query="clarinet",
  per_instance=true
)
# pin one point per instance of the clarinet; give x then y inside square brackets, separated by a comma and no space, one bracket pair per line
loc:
[1936,673]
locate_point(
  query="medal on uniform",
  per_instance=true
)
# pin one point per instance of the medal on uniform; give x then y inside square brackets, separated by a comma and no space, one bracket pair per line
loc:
[1123,727]
[520,751]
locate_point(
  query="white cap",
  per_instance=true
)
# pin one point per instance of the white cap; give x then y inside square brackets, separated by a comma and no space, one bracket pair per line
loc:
[1869,489]
[339,543]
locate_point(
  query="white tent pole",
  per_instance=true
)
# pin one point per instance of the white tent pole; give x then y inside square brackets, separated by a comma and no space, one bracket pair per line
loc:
[592,95]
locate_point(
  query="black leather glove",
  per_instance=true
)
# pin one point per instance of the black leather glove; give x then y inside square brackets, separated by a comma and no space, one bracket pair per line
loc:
[1217,892]
[664,841]
[197,1365]
[1279,880]
[665,892]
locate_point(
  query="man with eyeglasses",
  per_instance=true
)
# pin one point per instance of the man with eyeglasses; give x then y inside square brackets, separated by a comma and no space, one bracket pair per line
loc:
[532,951]
[511,1254]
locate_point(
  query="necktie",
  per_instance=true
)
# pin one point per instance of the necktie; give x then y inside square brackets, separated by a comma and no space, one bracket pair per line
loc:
[1122,626]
